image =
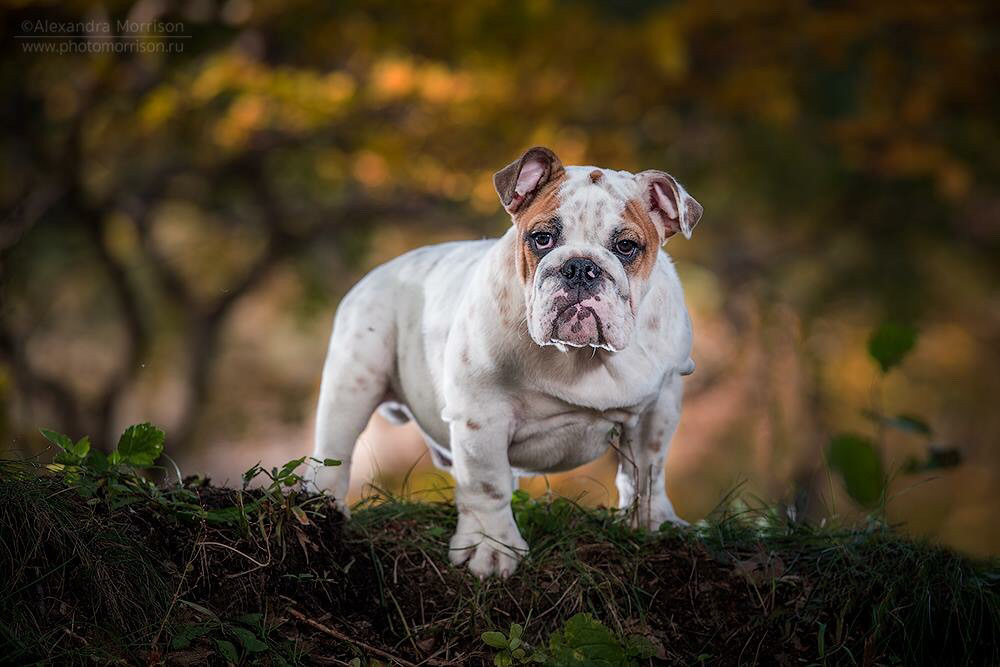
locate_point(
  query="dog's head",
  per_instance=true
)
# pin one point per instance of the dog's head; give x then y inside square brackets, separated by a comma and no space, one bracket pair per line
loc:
[587,241]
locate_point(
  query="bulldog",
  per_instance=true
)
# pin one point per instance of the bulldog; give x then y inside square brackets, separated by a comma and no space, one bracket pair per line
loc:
[528,354]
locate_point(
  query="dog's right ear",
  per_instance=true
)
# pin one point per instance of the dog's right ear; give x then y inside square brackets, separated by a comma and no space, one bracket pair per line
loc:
[519,182]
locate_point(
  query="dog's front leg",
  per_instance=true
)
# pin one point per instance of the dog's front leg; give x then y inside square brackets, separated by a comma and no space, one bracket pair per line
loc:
[486,536]
[641,458]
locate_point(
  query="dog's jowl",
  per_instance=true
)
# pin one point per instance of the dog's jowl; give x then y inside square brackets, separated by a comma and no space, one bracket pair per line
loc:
[525,354]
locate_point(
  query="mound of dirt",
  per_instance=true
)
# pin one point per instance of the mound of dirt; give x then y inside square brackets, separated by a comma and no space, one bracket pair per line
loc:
[279,579]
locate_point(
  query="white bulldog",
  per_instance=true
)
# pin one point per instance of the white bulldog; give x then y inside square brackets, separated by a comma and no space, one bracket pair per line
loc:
[528,354]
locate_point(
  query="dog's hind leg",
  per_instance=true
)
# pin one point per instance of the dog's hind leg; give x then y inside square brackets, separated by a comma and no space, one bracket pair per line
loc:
[359,363]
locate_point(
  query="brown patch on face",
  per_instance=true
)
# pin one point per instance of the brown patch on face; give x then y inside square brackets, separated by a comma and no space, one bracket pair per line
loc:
[473,426]
[635,214]
[542,209]
[654,323]
[596,175]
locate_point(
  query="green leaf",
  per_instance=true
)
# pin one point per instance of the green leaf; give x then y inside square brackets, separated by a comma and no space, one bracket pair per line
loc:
[81,447]
[855,458]
[66,458]
[520,496]
[249,640]
[290,467]
[252,474]
[253,620]
[495,639]
[228,650]
[140,445]
[189,633]
[58,439]
[890,343]
[516,630]
[96,461]
[332,462]
[502,660]
[640,647]
[584,640]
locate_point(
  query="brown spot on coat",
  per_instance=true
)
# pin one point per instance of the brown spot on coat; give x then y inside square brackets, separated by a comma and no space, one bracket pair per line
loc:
[492,491]
[596,175]
[656,443]
[473,425]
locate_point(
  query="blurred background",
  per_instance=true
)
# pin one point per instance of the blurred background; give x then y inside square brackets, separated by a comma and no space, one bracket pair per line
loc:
[181,211]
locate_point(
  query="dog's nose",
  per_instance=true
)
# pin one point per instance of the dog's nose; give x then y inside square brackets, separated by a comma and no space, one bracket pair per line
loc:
[580,272]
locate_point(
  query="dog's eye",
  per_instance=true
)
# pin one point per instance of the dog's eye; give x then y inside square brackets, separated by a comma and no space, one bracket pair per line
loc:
[542,240]
[626,247]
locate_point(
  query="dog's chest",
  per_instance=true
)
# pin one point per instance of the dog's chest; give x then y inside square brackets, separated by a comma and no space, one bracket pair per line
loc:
[556,436]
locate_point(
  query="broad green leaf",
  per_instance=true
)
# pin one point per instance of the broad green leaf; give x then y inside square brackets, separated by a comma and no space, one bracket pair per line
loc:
[495,639]
[66,458]
[228,650]
[516,630]
[584,640]
[249,640]
[289,468]
[81,447]
[331,462]
[96,461]
[189,633]
[57,439]
[890,343]
[855,458]
[140,445]
[253,620]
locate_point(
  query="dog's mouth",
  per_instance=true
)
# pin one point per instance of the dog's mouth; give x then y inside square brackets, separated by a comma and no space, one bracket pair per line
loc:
[577,324]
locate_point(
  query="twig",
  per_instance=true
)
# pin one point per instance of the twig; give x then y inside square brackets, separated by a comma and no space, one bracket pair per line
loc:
[342,637]
[226,546]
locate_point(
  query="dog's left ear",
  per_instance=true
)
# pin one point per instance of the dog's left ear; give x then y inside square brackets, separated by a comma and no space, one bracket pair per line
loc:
[668,203]
[519,182]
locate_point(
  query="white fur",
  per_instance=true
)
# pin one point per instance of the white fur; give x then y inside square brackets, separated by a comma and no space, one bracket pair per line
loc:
[494,395]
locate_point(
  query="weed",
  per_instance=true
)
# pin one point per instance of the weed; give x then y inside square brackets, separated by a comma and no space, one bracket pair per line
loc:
[859,459]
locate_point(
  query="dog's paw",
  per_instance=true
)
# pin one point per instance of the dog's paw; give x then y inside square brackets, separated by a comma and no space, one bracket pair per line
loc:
[335,482]
[487,555]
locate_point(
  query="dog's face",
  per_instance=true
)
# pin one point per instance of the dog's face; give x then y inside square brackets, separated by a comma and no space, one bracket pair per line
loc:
[588,240]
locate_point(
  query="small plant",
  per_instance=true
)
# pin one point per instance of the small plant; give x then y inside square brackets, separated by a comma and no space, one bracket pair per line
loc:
[91,472]
[582,641]
[513,651]
[859,458]
[116,478]
[236,641]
